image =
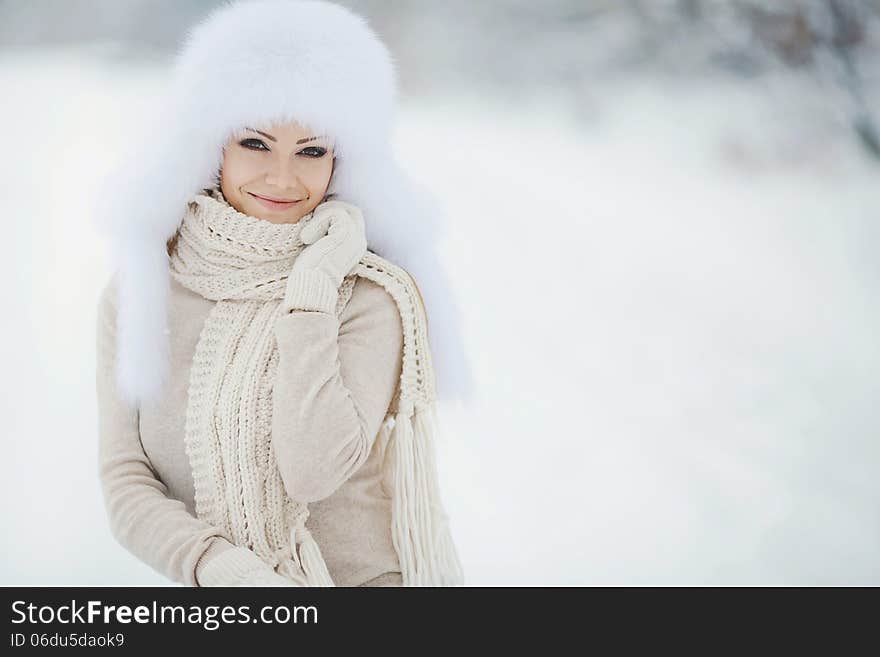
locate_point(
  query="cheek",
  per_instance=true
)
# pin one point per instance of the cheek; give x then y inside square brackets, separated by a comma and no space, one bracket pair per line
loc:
[239,168]
[319,176]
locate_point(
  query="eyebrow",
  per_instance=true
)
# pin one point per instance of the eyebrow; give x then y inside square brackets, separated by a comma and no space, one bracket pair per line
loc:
[268,136]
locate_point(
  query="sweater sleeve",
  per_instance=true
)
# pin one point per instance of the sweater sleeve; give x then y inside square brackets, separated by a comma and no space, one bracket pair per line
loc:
[335,381]
[155,528]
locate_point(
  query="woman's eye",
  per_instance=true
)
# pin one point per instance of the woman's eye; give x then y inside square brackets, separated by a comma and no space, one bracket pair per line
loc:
[259,145]
[317,151]
[254,144]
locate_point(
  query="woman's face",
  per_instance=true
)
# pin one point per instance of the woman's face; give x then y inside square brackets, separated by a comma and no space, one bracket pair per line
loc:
[287,163]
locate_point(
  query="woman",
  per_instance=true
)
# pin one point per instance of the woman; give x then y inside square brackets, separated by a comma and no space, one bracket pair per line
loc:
[265,382]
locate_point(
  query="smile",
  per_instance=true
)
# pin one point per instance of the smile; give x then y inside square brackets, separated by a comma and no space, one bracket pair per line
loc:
[272,204]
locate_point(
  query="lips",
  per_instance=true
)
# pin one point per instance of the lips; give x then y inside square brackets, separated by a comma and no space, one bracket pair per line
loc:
[274,204]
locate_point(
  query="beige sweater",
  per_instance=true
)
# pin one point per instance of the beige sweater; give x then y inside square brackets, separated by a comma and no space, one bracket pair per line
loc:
[338,372]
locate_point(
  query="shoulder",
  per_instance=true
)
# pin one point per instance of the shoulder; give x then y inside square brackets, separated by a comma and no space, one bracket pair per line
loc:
[107,301]
[371,299]
[371,315]
[106,322]
[406,290]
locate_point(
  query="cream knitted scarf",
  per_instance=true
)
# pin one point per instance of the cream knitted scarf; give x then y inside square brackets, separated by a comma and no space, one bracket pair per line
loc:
[242,262]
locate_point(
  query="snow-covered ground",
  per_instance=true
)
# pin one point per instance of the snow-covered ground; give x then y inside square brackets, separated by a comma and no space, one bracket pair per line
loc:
[673,333]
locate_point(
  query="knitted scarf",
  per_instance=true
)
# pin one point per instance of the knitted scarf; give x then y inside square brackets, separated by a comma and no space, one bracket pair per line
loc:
[242,263]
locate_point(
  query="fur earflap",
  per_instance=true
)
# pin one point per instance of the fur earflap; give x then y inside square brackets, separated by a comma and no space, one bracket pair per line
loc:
[257,63]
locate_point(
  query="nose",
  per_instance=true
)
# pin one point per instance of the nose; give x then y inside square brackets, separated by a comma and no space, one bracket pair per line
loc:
[283,175]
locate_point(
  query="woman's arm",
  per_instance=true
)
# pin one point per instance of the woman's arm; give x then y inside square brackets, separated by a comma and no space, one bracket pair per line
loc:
[336,378]
[157,529]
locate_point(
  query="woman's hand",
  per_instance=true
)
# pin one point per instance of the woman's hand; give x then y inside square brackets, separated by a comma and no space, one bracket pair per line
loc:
[240,566]
[336,241]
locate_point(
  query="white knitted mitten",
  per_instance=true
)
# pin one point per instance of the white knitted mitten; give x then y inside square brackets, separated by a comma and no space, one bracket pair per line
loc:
[337,240]
[240,566]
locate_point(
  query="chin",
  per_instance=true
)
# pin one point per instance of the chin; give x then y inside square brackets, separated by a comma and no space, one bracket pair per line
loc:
[274,217]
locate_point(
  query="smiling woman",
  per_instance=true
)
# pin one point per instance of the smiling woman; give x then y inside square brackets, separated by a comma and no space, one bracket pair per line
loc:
[282,181]
[267,402]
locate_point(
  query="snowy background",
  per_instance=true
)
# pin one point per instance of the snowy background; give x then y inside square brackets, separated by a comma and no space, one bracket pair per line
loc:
[663,231]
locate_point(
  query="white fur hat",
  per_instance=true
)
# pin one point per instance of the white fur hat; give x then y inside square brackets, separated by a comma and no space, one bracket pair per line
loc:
[255,63]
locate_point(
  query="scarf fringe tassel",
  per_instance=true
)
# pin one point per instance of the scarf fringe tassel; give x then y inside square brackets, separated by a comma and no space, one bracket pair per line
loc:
[420,528]
[309,558]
